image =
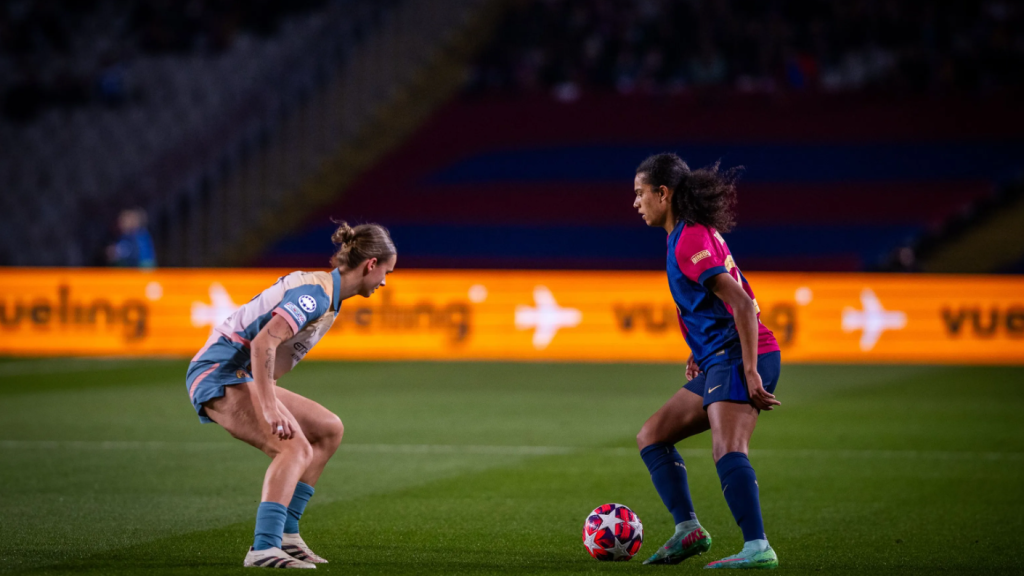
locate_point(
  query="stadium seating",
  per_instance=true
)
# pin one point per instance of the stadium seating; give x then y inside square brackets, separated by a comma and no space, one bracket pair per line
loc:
[861,127]
[66,170]
[526,167]
[664,46]
[830,184]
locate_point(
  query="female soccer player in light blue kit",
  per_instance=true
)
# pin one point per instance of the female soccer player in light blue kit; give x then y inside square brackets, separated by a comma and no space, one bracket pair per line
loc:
[734,365]
[233,381]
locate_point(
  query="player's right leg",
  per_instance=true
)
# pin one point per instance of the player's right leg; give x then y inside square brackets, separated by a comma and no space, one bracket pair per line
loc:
[236,412]
[681,417]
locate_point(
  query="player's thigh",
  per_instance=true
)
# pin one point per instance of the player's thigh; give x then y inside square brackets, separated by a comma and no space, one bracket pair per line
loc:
[236,412]
[732,425]
[681,417]
[317,423]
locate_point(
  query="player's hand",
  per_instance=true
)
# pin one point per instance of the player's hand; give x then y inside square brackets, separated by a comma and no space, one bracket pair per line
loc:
[281,425]
[759,397]
[691,368]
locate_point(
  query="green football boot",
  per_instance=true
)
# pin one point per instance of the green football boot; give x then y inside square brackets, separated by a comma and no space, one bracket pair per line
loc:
[749,559]
[682,545]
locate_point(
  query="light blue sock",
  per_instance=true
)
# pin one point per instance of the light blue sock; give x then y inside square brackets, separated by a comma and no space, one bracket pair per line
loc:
[303,492]
[270,517]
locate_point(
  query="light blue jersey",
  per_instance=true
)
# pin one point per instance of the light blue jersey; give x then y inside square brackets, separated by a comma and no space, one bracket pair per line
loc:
[308,301]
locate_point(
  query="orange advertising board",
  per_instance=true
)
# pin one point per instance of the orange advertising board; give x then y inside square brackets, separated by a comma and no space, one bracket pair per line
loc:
[521,315]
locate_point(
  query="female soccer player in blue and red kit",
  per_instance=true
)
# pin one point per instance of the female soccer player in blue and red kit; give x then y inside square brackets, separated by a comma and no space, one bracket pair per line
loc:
[734,365]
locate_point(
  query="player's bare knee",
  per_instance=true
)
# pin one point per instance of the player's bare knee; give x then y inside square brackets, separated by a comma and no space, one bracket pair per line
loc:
[333,431]
[641,439]
[302,449]
[646,436]
[337,428]
[297,448]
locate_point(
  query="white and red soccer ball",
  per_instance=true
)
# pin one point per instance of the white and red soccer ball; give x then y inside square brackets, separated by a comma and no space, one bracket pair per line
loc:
[613,532]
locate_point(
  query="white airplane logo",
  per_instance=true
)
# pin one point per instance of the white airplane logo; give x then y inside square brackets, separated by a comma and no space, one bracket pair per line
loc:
[547,318]
[873,320]
[214,314]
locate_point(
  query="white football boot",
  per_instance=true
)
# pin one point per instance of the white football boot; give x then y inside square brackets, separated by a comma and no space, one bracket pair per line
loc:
[273,558]
[292,544]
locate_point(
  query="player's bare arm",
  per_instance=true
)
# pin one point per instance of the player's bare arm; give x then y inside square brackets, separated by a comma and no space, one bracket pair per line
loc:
[745,313]
[264,355]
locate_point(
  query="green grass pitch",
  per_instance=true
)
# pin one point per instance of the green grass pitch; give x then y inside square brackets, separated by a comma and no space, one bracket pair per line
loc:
[477,468]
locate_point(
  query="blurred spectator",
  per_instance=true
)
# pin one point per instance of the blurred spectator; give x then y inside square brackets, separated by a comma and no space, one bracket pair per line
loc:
[134,249]
[892,47]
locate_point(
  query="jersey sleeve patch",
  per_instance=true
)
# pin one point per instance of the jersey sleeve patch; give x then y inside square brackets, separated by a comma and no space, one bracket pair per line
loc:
[698,255]
[307,303]
[302,305]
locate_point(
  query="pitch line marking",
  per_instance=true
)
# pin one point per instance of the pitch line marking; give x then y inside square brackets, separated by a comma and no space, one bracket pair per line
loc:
[32,367]
[498,450]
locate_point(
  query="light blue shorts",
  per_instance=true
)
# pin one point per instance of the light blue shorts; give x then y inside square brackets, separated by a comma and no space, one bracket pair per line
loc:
[223,364]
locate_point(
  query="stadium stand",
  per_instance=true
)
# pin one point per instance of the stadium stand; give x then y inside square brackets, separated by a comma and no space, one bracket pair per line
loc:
[862,126]
[627,46]
[977,239]
[831,184]
[172,98]
[184,79]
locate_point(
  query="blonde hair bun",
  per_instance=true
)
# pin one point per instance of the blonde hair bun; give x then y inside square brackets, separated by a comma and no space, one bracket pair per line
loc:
[344,234]
[360,243]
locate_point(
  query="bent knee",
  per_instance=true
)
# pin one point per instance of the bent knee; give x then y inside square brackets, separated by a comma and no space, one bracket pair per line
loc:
[330,432]
[297,447]
[646,436]
[302,449]
[335,429]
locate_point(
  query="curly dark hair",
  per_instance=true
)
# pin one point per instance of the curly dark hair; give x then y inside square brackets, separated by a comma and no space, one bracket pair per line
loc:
[705,196]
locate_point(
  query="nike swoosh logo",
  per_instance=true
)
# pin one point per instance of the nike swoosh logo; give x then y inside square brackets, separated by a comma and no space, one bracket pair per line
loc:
[715,388]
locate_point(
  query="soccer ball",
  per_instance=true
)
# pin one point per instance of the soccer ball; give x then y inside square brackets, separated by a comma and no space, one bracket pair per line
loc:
[613,532]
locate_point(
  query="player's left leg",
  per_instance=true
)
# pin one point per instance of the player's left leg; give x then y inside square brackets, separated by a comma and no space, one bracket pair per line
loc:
[324,431]
[732,425]
[733,420]
[236,412]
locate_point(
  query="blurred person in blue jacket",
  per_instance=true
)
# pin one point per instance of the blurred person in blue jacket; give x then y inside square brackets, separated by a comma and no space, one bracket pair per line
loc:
[134,248]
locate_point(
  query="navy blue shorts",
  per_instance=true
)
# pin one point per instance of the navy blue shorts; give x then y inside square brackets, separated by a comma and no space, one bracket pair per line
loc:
[726,382]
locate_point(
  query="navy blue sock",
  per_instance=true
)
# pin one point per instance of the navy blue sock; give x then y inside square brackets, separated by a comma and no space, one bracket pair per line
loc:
[303,492]
[669,476]
[739,485]
[270,518]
